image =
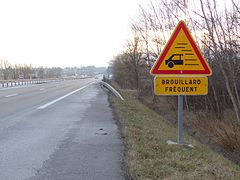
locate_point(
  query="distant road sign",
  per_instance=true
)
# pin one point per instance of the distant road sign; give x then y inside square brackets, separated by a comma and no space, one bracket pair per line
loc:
[181,85]
[181,56]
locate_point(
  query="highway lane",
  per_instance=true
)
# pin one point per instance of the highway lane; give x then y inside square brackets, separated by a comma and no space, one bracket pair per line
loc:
[22,99]
[73,138]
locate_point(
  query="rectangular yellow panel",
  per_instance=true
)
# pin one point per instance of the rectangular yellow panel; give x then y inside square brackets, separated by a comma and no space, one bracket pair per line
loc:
[181,85]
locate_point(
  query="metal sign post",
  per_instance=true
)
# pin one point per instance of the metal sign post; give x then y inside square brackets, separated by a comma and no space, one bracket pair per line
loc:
[180,112]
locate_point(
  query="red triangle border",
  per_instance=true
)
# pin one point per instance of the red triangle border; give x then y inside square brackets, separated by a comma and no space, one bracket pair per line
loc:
[156,71]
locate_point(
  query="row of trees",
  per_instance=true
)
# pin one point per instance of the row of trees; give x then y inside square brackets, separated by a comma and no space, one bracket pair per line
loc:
[10,71]
[16,71]
[214,25]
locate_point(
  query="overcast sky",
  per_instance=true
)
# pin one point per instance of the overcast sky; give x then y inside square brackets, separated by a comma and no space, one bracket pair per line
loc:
[64,32]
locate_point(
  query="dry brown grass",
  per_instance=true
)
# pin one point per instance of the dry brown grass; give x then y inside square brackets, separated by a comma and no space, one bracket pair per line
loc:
[223,133]
[149,157]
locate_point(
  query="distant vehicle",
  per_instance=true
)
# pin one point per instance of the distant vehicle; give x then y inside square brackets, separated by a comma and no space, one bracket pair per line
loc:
[175,59]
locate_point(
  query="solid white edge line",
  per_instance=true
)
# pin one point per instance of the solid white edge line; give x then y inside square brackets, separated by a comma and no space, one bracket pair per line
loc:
[62,97]
[10,95]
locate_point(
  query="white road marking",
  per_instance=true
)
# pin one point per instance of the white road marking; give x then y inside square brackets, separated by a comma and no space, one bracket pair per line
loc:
[11,95]
[62,97]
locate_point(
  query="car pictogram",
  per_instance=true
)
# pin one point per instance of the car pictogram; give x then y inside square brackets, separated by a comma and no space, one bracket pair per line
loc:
[175,59]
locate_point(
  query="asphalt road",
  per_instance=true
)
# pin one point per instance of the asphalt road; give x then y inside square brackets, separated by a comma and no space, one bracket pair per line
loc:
[58,131]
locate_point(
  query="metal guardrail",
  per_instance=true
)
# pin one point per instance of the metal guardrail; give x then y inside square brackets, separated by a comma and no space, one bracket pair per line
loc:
[110,88]
[11,83]
[19,82]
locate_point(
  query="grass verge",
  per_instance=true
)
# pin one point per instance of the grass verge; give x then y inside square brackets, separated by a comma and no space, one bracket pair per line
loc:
[147,156]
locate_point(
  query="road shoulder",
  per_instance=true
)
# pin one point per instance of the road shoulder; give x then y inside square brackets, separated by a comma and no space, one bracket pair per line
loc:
[92,148]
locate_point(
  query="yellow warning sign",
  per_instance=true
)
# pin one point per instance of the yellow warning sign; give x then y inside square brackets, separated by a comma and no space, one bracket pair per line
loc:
[181,85]
[181,56]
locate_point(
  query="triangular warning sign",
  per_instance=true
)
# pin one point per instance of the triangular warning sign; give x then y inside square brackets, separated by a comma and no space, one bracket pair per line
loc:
[181,56]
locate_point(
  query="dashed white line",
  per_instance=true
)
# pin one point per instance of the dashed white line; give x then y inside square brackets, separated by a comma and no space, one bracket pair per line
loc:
[10,95]
[62,97]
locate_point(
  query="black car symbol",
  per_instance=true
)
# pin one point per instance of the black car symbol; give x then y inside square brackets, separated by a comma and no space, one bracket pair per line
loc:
[175,59]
